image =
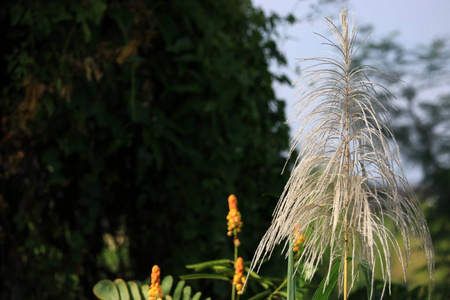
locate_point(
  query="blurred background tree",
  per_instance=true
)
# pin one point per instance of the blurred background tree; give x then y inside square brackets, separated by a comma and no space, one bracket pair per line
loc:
[421,125]
[124,127]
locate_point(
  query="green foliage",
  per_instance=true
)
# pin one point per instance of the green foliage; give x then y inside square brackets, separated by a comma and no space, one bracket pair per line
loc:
[123,122]
[368,276]
[106,289]
[223,270]
[397,291]
[119,289]
[327,285]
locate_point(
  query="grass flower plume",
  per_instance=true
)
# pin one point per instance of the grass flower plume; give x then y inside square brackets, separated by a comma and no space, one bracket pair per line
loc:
[343,189]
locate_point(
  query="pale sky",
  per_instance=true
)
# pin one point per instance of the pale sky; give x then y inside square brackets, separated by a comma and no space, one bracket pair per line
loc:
[416,21]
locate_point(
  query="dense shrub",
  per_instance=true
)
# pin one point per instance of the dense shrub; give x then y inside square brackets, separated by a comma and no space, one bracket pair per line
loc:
[125,125]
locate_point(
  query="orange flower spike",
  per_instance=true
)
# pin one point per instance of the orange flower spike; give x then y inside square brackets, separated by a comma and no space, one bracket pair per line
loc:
[299,242]
[156,273]
[155,289]
[233,217]
[301,238]
[239,278]
[232,202]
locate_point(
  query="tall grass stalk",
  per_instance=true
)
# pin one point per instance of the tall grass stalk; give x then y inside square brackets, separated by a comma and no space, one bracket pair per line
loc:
[290,275]
[343,190]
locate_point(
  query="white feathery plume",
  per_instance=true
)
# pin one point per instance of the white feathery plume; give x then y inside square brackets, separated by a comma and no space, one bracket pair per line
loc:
[343,191]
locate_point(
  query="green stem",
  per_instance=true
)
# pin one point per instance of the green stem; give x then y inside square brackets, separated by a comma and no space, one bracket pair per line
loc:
[279,287]
[233,291]
[290,274]
[235,247]
[345,270]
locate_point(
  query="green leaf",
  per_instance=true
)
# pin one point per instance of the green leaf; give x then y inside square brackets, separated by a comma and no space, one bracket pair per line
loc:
[86,31]
[204,276]
[197,296]
[166,284]
[210,263]
[134,290]
[178,290]
[106,290]
[144,291]
[367,274]
[284,294]
[265,282]
[260,295]
[223,269]
[187,293]
[323,293]
[122,288]
[97,8]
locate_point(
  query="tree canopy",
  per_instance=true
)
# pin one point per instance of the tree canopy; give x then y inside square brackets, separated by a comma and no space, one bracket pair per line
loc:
[126,124]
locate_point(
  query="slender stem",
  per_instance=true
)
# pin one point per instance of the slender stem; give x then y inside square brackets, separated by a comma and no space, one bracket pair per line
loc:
[347,165]
[235,246]
[279,287]
[233,291]
[345,270]
[290,274]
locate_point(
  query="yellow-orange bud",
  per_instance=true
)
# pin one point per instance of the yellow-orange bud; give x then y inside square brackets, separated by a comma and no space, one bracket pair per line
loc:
[239,278]
[236,241]
[234,216]
[155,289]
[232,202]
[301,238]
[298,243]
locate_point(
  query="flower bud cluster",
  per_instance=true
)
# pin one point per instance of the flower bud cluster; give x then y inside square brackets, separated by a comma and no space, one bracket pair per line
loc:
[155,289]
[234,217]
[239,278]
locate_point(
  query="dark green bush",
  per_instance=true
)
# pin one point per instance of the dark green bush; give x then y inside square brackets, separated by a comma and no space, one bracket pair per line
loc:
[125,125]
